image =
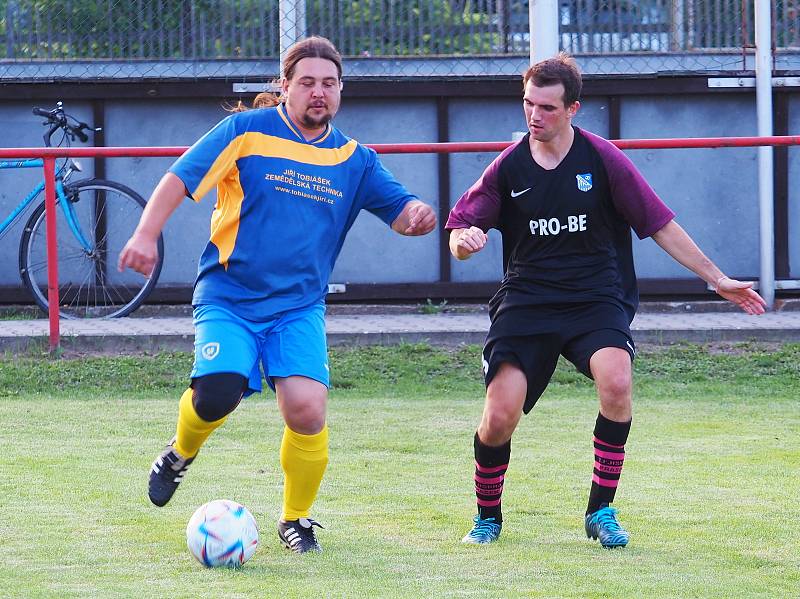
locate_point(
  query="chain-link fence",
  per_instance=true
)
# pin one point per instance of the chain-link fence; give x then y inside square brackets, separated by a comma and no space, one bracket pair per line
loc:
[242,38]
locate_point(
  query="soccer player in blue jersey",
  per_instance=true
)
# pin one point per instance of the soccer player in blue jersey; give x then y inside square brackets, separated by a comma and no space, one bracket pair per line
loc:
[289,187]
[565,201]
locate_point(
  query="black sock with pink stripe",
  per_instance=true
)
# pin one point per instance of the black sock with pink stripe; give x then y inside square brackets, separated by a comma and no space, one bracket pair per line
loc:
[491,464]
[609,454]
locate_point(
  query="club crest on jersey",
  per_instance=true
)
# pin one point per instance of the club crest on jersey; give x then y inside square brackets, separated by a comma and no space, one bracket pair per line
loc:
[210,350]
[584,181]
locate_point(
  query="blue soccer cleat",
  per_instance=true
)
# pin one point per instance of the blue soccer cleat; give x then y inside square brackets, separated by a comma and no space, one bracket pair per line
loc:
[484,531]
[603,525]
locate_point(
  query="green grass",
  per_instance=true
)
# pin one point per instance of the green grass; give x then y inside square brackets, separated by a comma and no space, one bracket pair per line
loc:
[709,493]
[20,313]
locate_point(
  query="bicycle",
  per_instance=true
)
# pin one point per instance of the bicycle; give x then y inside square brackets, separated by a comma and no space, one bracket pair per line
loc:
[95,220]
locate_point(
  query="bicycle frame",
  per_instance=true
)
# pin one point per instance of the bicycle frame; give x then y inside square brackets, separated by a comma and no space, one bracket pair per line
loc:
[66,206]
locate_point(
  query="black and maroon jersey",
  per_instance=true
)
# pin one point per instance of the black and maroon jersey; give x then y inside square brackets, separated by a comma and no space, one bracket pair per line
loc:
[566,231]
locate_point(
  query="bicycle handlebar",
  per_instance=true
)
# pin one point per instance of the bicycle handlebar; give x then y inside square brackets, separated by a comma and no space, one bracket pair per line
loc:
[81,135]
[58,119]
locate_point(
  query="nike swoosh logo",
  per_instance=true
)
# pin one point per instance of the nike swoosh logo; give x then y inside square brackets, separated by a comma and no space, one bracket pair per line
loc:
[514,194]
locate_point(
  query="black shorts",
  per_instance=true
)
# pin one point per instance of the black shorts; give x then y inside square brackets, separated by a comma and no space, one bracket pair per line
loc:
[576,335]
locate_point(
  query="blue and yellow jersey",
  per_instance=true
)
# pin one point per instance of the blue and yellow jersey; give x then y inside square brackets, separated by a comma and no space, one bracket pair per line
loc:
[284,206]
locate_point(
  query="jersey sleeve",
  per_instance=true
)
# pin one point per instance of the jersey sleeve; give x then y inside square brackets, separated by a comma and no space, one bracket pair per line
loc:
[209,160]
[382,194]
[480,204]
[631,194]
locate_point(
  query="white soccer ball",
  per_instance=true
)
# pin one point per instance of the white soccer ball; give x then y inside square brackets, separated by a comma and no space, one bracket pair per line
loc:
[222,533]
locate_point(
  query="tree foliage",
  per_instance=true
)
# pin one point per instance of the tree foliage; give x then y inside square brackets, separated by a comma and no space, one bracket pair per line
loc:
[181,29]
[231,29]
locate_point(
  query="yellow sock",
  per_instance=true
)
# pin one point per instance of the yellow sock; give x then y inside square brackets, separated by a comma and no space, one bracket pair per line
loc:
[192,430]
[303,459]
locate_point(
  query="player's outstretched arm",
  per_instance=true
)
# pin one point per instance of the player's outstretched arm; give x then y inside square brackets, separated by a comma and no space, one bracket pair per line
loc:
[141,251]
[417,218]
[465,242]
[677,243]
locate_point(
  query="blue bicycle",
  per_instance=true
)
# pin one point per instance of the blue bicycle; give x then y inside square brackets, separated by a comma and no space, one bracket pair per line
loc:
[95,218]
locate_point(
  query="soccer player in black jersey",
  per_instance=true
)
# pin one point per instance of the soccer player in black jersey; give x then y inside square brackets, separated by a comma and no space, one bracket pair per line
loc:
[565,201]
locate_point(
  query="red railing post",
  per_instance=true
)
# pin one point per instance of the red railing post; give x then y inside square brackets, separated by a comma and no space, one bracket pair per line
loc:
[52,251]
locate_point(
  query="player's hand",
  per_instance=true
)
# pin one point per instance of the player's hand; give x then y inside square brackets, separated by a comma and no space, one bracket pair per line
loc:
[421,219]
[469,241]
[139,254]
[742,294]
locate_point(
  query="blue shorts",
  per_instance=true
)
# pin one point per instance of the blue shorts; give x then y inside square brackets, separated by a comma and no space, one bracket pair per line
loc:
[292,344]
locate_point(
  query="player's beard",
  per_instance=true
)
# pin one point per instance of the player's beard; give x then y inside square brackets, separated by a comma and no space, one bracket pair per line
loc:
[313,122]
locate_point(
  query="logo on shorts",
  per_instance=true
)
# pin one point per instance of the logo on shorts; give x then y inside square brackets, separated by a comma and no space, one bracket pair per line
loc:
[210,350]
[584,181]
[633,349]
[485,366]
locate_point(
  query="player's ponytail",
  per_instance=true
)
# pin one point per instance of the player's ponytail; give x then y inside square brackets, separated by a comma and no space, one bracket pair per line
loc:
[262,100]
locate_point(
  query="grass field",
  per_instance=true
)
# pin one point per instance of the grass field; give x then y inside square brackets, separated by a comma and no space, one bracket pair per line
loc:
[709,493]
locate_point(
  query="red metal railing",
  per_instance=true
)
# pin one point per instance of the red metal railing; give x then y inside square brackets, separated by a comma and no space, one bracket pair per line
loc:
[49,155]
[52,251]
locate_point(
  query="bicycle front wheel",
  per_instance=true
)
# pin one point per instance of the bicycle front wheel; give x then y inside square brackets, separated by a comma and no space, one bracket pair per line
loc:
[106,213]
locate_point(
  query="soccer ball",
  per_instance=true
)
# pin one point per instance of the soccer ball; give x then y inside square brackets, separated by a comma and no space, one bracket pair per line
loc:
[222,533]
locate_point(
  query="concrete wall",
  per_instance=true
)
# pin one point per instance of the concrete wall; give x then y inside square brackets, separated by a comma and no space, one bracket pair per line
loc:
[373,253]
[714,192]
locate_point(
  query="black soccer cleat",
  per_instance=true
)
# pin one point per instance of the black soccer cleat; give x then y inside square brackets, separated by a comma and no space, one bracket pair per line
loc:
[166,474]
[298,535]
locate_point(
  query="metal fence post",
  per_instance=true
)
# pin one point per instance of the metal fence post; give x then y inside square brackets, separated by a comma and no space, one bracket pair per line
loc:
[292,24]
[766,191]
[52,252]
[543,25]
